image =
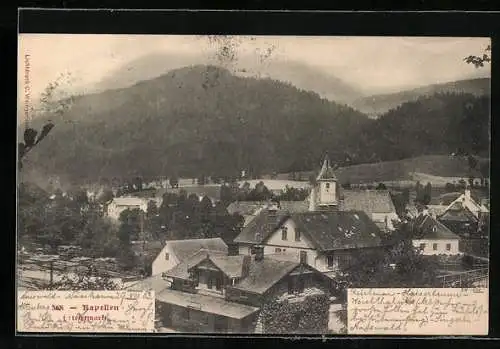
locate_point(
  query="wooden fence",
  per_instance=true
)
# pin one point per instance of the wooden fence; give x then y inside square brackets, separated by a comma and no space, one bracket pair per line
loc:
[478,277]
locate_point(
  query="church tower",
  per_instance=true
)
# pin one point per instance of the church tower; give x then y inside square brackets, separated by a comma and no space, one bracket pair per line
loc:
[324,195]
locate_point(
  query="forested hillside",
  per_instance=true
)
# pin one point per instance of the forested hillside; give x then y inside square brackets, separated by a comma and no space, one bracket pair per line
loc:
[204,120]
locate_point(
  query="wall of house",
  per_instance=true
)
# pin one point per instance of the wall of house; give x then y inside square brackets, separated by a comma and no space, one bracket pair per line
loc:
[193,320]
[441,246]
[244,249]
[161,264]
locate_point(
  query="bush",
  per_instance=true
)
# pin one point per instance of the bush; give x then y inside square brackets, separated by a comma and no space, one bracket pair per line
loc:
[309,316]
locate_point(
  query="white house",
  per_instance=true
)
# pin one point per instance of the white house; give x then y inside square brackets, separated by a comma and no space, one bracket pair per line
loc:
[120,204]
[176,251]
[326,240]
[433,237]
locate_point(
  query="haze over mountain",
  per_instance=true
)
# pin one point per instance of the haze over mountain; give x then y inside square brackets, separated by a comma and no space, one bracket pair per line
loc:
[377,105]
[297,73]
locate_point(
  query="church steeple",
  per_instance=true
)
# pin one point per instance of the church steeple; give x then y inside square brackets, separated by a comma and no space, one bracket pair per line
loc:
[325,192]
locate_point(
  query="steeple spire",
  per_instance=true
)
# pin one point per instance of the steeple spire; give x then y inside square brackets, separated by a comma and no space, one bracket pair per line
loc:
[326,172]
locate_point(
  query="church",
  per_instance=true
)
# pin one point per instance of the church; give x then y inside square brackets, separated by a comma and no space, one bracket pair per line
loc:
[325,235]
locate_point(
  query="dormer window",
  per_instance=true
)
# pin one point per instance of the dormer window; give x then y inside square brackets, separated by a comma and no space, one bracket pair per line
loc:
[167,256]
[284,233]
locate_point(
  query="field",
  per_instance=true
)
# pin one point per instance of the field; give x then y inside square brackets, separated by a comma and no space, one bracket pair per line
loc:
[437,169]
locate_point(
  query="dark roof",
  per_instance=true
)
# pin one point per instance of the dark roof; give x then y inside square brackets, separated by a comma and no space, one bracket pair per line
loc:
[212,191]
[264,224]
[186,248]
[295,206]
[448,198]
[338,230]
[369,201]
[262,275]
[427,227]
[458,213]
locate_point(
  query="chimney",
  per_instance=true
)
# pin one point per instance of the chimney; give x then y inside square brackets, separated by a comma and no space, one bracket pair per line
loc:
[259,252]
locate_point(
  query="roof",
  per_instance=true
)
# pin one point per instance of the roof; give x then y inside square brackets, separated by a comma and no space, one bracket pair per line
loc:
[212,191]
[180,271]
[207,304]
[155,283]
[245,208]
[186,248]
[369,201]
[338,230]
[129,201]
[427,227]
[436,210]
[262,275]
[326,172]
[448,198]
[458,214]
[259,228]
[232,266]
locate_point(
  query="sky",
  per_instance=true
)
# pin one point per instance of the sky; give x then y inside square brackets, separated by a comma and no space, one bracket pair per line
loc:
[375,63]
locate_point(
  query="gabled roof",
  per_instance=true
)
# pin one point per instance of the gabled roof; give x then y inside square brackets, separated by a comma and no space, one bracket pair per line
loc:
[458,213]
[186,248]
[369,201]
[264,274]
[468,202]
[181,270]
[427,227]
[231,266]
[338,230]
[155,283]
[264,224]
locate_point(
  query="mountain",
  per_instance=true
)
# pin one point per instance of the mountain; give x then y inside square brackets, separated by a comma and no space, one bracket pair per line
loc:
[192,120]
[376,105]
[299,74]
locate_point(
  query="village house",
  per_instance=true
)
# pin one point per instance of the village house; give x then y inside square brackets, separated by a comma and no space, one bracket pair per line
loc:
[216,292]
[328,241]
[433,237]
[465,216]
[326,194]
[177,251]
[118,205]
[212,191]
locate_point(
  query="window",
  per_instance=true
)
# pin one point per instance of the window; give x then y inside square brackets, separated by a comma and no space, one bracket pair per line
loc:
[422,246]
[296,285]
[297,235]
[277,250]
[448,247]
[329,262]
[303,257]
[167,256]
[218,283]
[210,283]
[284,231]
[327,185]
[435,247]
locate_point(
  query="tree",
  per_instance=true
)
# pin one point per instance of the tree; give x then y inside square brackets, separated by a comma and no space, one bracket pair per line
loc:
[381,186]
[427,194]
[472,161]
[174,181]
[479,61]
[31,140]
[449,187]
